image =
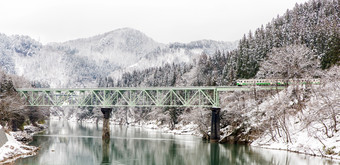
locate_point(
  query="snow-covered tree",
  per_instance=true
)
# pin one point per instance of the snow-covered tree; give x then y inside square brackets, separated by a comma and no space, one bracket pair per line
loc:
[12,110]
[324,105]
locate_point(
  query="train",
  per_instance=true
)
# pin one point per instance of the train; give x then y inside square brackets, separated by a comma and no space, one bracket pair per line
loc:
[275,82]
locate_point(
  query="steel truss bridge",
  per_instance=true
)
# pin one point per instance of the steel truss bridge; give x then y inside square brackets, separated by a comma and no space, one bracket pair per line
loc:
[206,97]
[106,98]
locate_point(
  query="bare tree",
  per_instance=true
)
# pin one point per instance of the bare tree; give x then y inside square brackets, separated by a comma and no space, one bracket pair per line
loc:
[293,61]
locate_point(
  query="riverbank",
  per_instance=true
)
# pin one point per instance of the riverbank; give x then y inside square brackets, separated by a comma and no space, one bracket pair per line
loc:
[302,142]
[16,147]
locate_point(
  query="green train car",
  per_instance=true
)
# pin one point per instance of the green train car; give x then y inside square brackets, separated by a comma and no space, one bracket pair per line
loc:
[275,82]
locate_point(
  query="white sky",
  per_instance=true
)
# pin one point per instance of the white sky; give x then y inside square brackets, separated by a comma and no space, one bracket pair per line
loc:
[163,20]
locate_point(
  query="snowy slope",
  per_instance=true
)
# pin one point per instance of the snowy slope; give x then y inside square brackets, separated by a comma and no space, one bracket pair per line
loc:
[313,129]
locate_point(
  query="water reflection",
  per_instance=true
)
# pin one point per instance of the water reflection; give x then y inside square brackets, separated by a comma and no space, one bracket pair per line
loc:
[76,143]
[106,152]
[214,153]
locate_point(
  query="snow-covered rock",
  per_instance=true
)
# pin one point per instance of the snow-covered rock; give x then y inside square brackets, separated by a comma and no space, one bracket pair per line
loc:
[13,150]
[22,136]
[27,135]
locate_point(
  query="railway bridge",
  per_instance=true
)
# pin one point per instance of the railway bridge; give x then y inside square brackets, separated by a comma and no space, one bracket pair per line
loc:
[107,98]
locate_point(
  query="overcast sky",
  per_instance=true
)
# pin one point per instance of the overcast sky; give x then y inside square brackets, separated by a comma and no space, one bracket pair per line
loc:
[163,20]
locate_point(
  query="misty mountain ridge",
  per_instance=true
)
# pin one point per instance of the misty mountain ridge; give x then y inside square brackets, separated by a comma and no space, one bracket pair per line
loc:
[80,62]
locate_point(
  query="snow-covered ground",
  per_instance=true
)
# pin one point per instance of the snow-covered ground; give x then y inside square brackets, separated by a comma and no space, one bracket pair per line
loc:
[180,129]
[303,141]
[13,150]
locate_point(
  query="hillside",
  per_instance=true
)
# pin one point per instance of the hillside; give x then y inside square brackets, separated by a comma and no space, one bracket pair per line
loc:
[83,62]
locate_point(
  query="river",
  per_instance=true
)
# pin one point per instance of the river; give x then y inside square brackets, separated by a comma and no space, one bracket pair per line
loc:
[71,143]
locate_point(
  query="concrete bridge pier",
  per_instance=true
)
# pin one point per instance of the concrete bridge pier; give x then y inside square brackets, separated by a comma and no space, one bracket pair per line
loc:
[106,124]
[215,125]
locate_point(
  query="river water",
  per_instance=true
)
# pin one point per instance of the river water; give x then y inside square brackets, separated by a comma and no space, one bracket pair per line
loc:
[71,143]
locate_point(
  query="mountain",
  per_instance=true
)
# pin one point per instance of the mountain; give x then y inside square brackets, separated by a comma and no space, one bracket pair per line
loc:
[82,62]
[122,47]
